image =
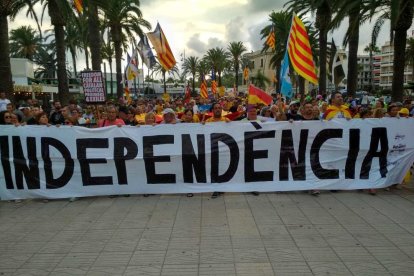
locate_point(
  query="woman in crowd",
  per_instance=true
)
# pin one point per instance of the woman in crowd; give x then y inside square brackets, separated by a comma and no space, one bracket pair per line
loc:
[5,118]
[112,119]
[188,117]
[42,119]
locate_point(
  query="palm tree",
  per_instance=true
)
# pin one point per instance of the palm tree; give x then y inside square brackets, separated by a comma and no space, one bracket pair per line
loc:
[400,15]
[323,9]
[9,8]
[260,80]
[409,55]
[107,52]
[358,12]
[403,21]
[236,50]
[371,49]
[94,35]
[123,16]
[190,67]
[24,42]
[59,11]
[45,61]
[218,61]
[280,21]
[73,38]
[159,69]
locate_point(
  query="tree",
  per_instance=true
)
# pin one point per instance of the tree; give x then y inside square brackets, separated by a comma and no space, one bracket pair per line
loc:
[24,42]
[400,25]
[236,50]
[9,8]
[59,11]
[409,55]
[358,12]
[190,67]
[323,9]
[217,60]
[46,62]
[74,39]
[107,52]
[260,80]
[94,35]
[123,16]
[371,49]
[158,69]
[400,15]
[280,21]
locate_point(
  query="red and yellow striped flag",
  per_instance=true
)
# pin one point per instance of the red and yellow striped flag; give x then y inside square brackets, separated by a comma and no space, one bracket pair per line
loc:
[300,52]
[271,39]
[257,96]
[203,89]
[161,46]
[213,87]
[78,5]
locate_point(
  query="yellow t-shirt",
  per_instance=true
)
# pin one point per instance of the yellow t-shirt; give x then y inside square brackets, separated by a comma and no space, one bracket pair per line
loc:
[140,118]
[213,120]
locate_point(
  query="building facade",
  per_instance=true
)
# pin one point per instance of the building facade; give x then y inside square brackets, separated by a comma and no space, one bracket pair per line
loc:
[259,61]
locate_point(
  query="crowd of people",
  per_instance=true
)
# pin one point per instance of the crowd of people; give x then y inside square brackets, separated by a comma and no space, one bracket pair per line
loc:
[145,111]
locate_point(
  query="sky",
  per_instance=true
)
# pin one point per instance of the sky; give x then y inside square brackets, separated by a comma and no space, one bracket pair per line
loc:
[194,26]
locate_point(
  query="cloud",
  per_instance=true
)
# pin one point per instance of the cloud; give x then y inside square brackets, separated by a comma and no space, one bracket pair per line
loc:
[256,43]
[235,30]
[265,5]
[196,46]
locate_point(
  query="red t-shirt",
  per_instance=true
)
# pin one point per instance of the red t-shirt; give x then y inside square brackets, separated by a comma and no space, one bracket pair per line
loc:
[105,123]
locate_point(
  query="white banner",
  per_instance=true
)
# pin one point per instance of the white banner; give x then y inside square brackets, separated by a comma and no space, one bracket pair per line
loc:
[51,162]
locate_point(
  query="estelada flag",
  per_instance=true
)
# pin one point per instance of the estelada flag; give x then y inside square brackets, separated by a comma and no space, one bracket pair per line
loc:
[213,87]
[246,73]
[203,89]
[78,5]
[257,96]
[161,46]
[271,39]
[300,52]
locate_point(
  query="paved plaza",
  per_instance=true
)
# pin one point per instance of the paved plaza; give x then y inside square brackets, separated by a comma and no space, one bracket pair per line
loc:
[344,233]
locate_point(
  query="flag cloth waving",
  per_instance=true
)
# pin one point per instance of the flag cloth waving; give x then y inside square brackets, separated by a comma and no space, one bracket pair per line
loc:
[161,46]
[78,5]
[256,95]
[285,80]
[271,40]
[300,52]
[203,88]
[144,50]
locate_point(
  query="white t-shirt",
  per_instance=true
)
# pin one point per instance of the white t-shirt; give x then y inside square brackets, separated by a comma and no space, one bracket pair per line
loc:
[3,104]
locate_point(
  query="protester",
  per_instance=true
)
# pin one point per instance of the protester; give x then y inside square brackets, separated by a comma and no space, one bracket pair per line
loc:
[169,116]
[56,117]
[42,119]
[112,119]
[337,109]
[3,101]
[5,118]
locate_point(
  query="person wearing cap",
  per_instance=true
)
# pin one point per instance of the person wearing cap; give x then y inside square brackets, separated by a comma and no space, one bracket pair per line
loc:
[168,115]
[292,114]
[404,112]
[337,109]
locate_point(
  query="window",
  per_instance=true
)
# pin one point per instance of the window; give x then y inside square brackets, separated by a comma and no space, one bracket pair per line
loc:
[252,64]
[261,62]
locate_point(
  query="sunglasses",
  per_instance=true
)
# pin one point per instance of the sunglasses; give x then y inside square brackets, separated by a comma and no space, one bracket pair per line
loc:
[7,117]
